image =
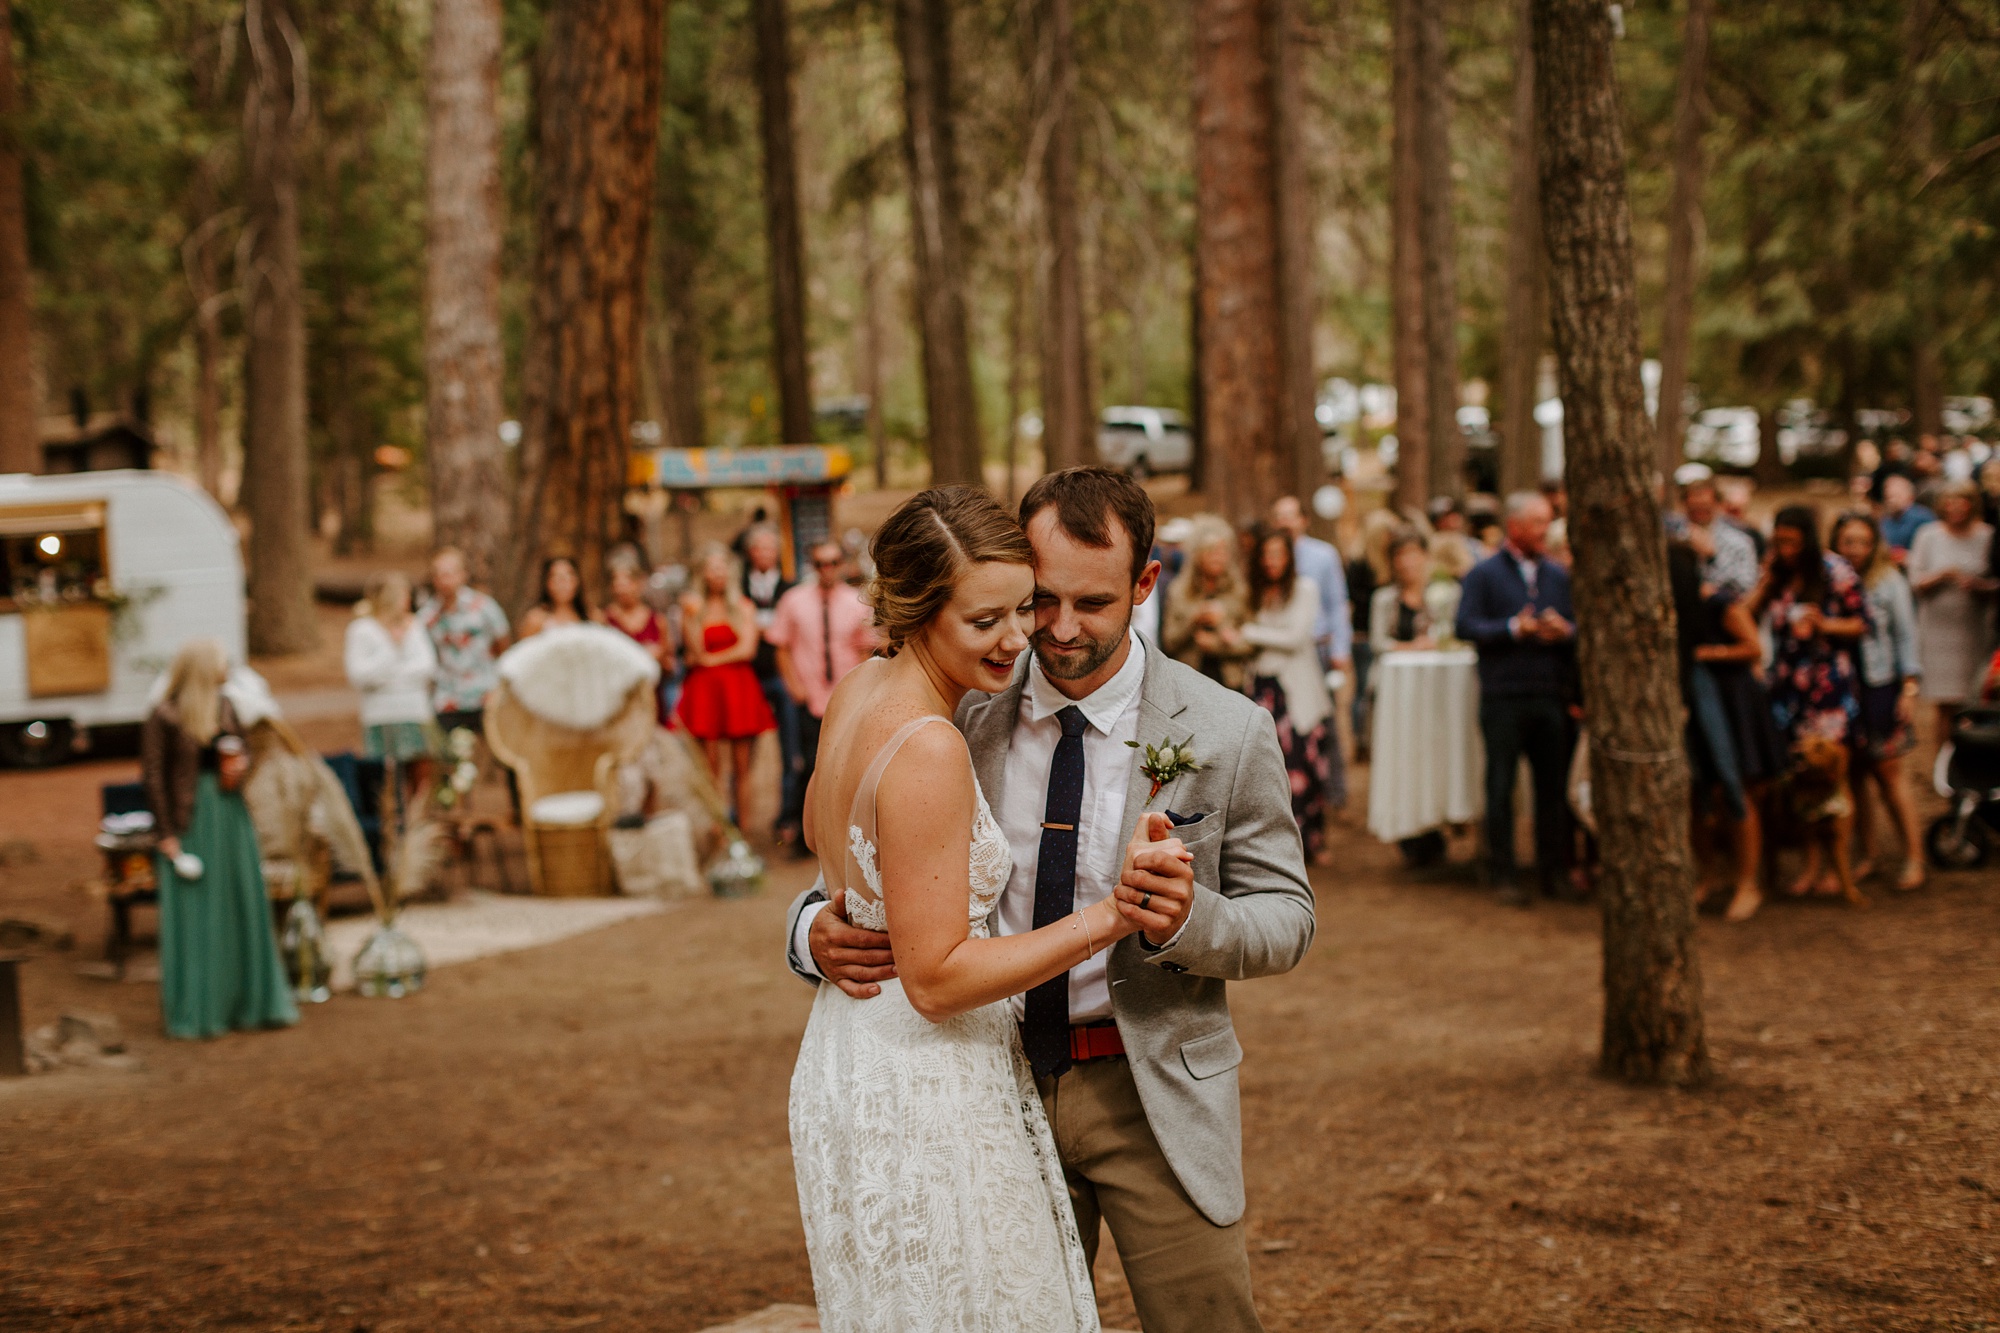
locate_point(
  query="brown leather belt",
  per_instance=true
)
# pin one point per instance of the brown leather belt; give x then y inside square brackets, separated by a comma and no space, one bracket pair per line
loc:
[1095,1041]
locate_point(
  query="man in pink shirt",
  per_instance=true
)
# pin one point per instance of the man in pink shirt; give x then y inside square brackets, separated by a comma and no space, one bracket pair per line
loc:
[822,630]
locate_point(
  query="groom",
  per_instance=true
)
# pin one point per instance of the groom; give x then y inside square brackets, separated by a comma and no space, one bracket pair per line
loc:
[1133,1051]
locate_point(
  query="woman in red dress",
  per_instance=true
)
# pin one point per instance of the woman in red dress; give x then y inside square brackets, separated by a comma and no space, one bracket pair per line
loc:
[721,699]
[627,613]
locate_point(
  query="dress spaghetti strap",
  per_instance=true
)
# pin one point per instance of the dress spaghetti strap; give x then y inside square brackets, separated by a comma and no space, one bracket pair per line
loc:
[863,879]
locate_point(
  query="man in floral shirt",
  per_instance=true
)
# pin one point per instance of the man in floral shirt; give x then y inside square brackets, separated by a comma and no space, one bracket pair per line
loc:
[469,631]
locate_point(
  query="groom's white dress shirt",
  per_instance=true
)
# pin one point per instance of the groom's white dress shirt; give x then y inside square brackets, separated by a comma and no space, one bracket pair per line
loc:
[1112,710]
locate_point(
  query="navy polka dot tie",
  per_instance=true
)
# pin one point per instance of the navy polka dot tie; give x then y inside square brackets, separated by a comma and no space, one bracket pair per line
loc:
[1045,1031]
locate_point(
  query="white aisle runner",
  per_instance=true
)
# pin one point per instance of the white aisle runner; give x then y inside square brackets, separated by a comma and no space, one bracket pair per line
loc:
[480,925]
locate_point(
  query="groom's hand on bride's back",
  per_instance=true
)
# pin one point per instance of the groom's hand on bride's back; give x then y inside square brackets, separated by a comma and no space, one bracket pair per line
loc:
[854,959]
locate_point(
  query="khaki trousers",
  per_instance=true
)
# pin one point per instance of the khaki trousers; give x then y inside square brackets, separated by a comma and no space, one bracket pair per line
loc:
[1187,1274]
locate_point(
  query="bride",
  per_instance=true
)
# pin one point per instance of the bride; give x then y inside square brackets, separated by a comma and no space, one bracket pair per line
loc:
[928,1180]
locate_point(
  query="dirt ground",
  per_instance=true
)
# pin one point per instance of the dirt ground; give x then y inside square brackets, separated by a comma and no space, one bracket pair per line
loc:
[592,1135]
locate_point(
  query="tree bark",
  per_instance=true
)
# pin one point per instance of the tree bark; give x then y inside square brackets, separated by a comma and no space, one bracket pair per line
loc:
[1926,386]
[464,360]
[1298,427]
[1069,409]
[198,262]
[275,463]
[1653,1029]
[1440,249]
[1683,226]
[1406,258]
[597,104]
[20,433]
[871,344]
[1250,461]
[1527,307]
[681,356]
[1017,351]
[785,249]
[1197,392]
[923,36]
[682,232]
[1920,133]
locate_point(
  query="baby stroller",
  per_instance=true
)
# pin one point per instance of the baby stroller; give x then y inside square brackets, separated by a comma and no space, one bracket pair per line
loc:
[1968,775]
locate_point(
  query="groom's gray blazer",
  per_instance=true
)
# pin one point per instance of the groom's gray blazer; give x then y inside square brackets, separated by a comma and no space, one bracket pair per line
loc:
[1252,915]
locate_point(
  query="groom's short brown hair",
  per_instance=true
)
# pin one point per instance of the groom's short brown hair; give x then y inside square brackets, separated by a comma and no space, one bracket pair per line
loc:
[1085,498]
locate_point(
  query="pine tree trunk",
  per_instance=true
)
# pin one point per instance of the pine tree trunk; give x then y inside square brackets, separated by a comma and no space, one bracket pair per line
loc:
[1920,135]
[785,249]
[198,261]
[464,360]
[1527,312]
[923,36]
[1198,468]
[1017,354]
[1440,250]
[20,435]
[1683,223]
[597,103]
[1236,226]
[208,401]
[1406,258]
[871,344]
[1069,411]
[681,355]
[1653,1029]
[275,463]
[1298,427]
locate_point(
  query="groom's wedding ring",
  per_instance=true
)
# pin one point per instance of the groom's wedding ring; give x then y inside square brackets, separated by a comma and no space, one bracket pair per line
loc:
[1145,898]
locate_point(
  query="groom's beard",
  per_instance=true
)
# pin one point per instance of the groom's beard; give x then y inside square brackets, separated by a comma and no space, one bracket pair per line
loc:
[1079,658]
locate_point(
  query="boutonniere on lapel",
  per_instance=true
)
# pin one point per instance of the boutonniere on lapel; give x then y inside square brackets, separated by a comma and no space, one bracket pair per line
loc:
[1167,761]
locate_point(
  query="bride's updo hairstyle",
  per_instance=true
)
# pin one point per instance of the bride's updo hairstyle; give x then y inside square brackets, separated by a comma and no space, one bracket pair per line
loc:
[927,545]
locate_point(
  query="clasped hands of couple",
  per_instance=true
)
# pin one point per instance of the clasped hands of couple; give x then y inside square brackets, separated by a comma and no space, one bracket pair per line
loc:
[1154,894]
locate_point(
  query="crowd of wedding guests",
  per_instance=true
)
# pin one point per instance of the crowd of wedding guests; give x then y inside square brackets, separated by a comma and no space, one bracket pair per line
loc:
[743,650]
[1839,626]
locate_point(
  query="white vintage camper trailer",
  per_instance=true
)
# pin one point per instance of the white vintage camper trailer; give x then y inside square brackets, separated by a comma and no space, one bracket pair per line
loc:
[103,576]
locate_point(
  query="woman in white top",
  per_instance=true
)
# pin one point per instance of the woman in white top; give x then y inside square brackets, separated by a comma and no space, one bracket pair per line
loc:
[1286,678]
[1948,562]
[390,661]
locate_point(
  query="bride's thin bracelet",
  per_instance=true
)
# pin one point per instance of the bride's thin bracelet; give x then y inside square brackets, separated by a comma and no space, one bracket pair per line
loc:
[1089,942]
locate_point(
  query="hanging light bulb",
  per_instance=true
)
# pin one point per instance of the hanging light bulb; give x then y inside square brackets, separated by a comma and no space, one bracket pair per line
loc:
[50,545]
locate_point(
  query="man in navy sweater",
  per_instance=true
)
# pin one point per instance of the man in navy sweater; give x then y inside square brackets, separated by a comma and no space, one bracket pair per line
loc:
[1515,607]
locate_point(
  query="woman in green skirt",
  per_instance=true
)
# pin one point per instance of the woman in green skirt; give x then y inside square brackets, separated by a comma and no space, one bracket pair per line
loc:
[219,967]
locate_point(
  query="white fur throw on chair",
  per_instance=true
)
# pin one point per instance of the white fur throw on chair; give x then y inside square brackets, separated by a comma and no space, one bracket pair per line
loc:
[576,676]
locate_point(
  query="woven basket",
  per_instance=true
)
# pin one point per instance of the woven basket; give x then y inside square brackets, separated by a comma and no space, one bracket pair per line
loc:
[574,864]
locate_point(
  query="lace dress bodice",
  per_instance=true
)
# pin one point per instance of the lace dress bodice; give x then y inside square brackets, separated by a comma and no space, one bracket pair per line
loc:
[991,865]
[929,1184]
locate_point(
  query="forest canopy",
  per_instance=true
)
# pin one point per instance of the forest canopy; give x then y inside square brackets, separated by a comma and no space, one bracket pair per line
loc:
[1847,247]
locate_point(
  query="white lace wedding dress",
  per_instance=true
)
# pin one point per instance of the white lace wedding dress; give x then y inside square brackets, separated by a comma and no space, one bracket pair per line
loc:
[928,1179]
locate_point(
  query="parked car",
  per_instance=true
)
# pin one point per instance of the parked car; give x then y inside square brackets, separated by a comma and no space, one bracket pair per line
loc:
[1726,436]
[1808,441]
[1144,440]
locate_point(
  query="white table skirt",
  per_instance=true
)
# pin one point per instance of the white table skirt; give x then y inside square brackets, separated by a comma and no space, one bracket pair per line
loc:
[1429,761]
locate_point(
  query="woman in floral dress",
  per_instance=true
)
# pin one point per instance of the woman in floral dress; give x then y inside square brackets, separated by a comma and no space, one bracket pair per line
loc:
[1286,679]
[1818,613]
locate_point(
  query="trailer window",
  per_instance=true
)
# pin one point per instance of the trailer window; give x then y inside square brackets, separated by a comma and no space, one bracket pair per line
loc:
[50,559]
